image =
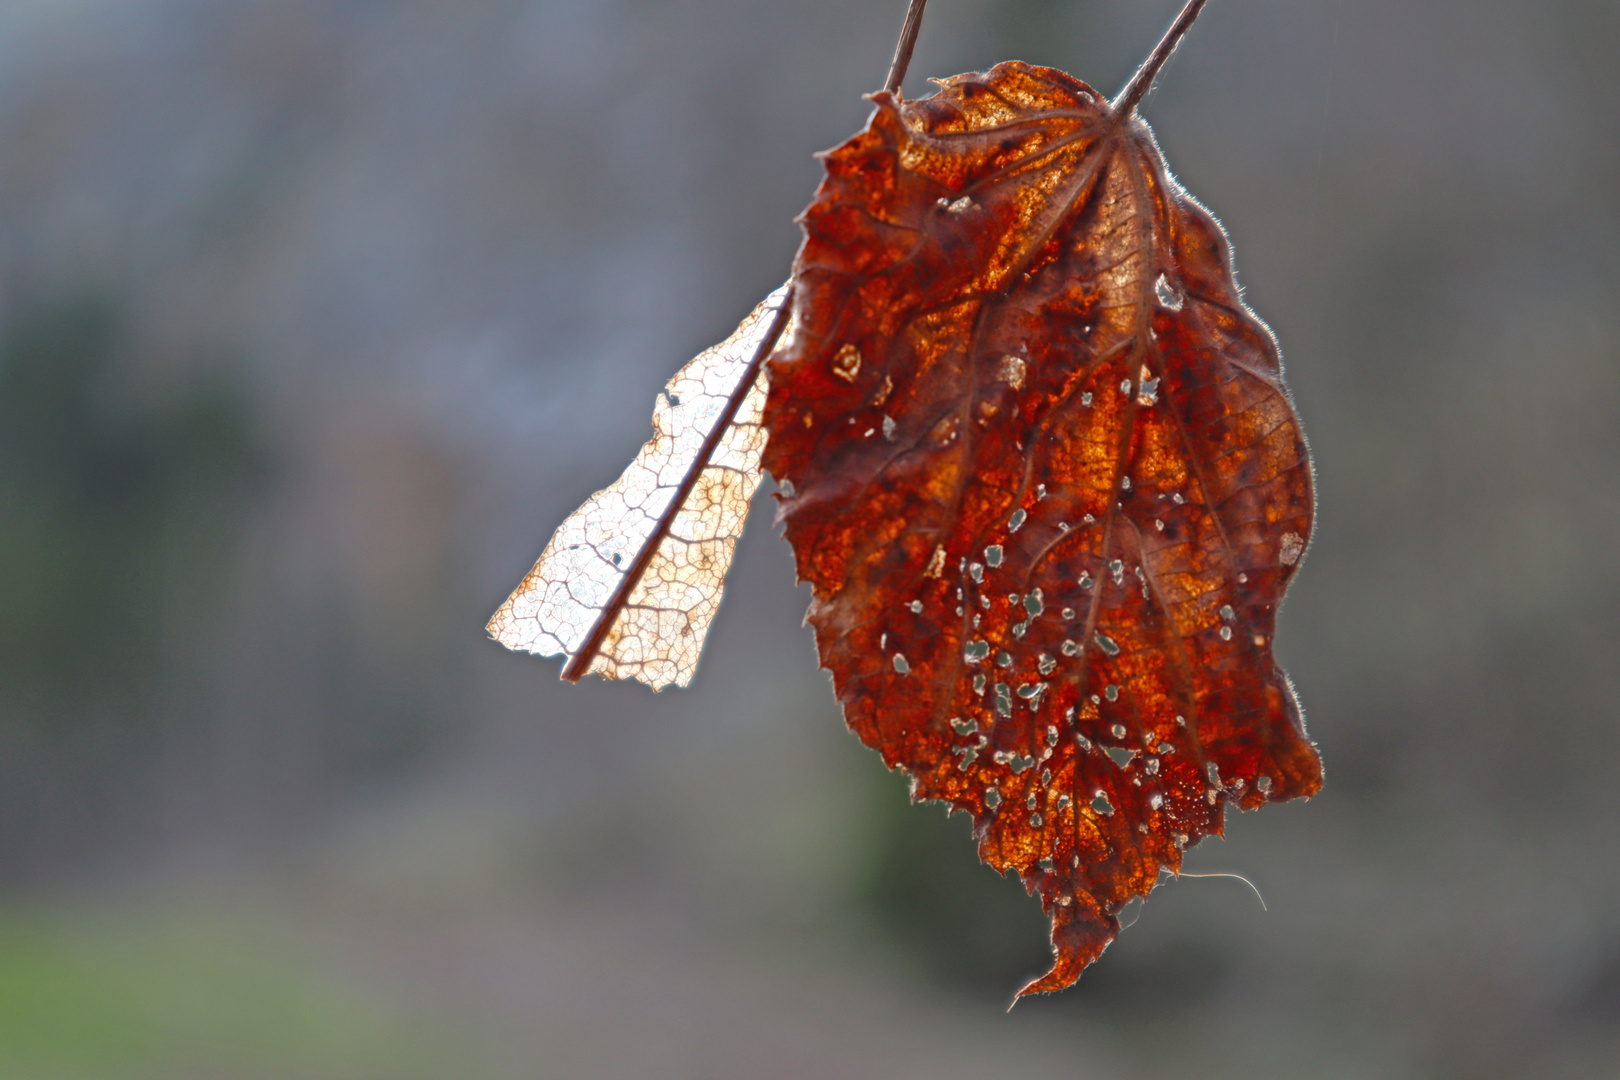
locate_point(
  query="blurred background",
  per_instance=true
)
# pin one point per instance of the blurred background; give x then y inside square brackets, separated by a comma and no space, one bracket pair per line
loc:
[317,316]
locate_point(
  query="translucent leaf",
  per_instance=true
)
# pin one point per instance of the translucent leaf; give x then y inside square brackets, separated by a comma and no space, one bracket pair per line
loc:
[648,555]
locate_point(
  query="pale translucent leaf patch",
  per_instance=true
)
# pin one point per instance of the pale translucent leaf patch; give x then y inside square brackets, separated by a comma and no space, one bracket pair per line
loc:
[657,635]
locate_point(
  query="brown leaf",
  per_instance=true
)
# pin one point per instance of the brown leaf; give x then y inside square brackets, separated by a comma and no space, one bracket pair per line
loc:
[1047,485]
[629,583]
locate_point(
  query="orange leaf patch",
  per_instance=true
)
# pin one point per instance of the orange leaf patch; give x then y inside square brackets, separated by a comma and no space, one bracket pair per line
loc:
[1040,467]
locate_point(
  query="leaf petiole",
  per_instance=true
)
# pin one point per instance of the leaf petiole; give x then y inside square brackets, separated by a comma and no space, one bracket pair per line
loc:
[904,47]
[1142,81]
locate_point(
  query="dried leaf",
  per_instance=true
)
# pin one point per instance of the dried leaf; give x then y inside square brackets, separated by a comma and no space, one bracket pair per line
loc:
[1039,466]
[630,582]
[1047,485]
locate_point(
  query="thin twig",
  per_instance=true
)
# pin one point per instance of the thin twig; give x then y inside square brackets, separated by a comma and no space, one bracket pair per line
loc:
[1142,81]
[579,664]
[903,48]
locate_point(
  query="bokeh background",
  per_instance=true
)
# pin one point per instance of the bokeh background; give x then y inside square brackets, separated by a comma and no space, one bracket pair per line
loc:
[316,316]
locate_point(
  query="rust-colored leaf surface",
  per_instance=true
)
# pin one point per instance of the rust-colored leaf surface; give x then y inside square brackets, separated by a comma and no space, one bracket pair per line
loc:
[1040,467]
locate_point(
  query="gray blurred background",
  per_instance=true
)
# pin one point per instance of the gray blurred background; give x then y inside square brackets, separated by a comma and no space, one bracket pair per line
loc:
[316,316]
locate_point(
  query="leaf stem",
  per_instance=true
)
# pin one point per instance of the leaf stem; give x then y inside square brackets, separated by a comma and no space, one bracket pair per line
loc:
[580,663]
[1142,81]
[904,47]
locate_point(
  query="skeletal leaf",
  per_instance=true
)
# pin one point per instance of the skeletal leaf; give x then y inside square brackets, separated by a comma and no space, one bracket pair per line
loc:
[629,584]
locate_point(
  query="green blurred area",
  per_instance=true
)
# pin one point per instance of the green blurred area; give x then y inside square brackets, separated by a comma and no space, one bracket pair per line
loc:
[88,995]
[117,516]
[121,519]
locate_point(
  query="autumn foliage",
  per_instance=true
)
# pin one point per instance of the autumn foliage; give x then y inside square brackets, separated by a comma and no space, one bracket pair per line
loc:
[1036,459]
[1040,467]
